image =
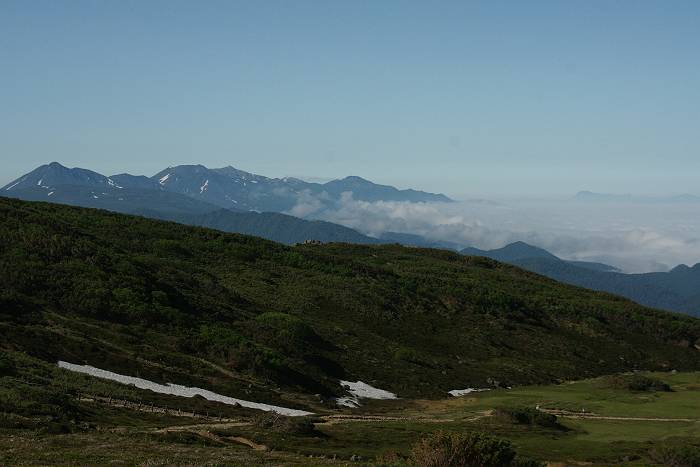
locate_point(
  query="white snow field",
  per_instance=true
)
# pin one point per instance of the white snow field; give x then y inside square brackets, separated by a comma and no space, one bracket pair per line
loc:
[360,390]
[177,390]
[464,392]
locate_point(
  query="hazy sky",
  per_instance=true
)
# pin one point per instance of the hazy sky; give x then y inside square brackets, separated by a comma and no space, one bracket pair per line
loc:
[489,97]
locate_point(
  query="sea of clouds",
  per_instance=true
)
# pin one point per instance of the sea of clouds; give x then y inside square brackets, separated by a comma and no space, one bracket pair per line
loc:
[635,236]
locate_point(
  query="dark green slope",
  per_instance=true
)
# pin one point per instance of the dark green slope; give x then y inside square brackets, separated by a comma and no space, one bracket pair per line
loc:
[246,316]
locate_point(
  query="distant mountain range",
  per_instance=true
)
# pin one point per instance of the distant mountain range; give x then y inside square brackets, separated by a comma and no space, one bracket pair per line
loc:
[125,200]
[519,251]
[229,187]
[676,290]
[269,225]
[589,196]
[226,187]
[225,199]
[408,239]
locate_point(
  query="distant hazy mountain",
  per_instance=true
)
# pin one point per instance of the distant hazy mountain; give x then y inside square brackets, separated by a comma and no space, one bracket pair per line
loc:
[677,290]
[367,191]
[417,241]
[602,267]
[179,208]
[54,174]
[135,181]
[509,253]
[228,186]
[520,251]
[125,200]
[195,195]
[272,226]
[589,196]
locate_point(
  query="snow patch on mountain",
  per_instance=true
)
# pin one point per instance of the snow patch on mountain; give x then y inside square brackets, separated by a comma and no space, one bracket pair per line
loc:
[112,183]
[14,185]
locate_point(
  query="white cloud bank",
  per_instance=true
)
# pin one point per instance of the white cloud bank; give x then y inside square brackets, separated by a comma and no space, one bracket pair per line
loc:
[636,237]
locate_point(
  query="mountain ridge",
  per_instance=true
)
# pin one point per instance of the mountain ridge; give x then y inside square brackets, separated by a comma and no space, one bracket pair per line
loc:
[166,196]
[593,197]
[676,290]
[226,187]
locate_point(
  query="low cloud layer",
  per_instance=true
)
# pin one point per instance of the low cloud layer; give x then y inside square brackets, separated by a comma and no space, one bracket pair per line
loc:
[638,237]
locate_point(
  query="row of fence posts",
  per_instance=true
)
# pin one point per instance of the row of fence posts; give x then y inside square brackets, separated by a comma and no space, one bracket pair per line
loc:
[148,408]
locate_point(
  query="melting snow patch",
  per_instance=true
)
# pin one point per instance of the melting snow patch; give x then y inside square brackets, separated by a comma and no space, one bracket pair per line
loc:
[348,402]
[39,182]
[177,390]
[111,182]
[464,392]
[164,179]
[204,187]
[50,193]
[15,184]
[360,390]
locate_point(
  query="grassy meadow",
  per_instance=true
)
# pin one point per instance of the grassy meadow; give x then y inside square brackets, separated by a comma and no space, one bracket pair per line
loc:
[52,416]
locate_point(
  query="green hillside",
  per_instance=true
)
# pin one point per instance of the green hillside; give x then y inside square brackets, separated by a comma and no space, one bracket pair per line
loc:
[96,287]
[269,323]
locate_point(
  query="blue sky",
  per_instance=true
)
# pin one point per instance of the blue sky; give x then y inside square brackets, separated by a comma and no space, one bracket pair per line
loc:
[474,98]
